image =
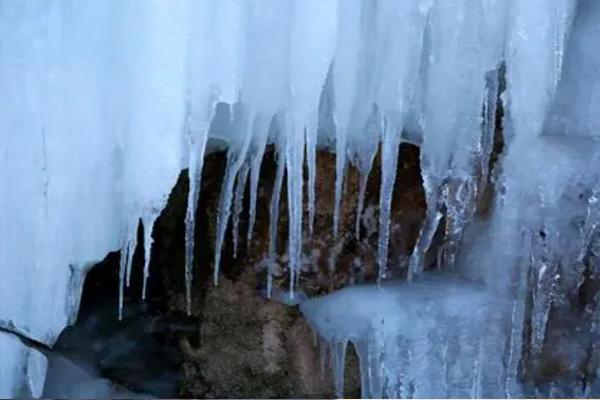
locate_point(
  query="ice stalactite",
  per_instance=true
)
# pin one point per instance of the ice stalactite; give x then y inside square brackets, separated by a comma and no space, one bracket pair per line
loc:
[311,163]
[197,135]
[294,156]
[362,189]
[338,355]
[391,99]
[238,204]
[257,151]
[389,161]
[236,157]
[141,110]
[452,144]
[345,74]
[314,31]
[194,175]
[274,214]
[215,54]
[128,246]
[122,273]
[148,221]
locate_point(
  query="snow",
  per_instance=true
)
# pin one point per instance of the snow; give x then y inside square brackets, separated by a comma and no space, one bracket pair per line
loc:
[105,103]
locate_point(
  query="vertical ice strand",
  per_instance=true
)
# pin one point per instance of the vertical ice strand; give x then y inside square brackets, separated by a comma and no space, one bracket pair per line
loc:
[399,68]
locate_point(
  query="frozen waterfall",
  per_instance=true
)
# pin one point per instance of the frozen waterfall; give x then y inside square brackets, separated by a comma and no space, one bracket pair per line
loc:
[104,103]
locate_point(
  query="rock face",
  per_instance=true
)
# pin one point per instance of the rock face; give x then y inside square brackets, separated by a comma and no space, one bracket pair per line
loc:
[248,345]
[239,343]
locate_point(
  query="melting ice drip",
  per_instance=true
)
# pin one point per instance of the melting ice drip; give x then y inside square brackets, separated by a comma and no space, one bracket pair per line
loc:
[144,80]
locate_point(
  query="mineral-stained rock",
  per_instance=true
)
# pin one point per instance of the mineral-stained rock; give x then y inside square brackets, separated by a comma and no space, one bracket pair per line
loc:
[248,345]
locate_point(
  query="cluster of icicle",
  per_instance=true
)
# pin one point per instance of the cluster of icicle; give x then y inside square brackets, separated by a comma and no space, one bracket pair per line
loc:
[386,67]
[104,103]
[144,80]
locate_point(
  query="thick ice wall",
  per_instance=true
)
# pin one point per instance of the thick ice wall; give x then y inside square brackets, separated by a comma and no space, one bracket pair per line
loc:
[58,165]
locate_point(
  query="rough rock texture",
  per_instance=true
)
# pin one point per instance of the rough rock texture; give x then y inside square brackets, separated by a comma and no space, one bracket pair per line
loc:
[251,346]
[237,343]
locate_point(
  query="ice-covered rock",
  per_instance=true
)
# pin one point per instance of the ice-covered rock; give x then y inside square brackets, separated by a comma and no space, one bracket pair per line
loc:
[104,103]
[22,369]
[437,337]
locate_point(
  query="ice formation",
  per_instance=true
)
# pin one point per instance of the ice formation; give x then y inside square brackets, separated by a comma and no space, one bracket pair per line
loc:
[104,103]
[401,336]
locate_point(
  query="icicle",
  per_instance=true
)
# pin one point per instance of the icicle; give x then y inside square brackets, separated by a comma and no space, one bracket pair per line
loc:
[311,161]
[239,204]
[236,157]
[389,163]
[340,172]
[197,146]
[338,353]
[122,272]
[128,244]
[294,164]
[255,166]
[364,178]
[362,351]
[148,221]
[131,245]
[223,215]
[274,216]
[345,74]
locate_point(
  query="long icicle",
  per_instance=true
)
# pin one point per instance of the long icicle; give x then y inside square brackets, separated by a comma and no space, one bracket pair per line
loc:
[255,167]
[131,245]
[235,159]
[362,189]
[122,272]
[274,216]
[294,164]
[389,165]
[197,147]
[340,173]
[149,221]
